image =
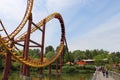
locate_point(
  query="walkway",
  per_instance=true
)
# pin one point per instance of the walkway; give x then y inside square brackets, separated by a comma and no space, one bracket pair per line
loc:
[101,77]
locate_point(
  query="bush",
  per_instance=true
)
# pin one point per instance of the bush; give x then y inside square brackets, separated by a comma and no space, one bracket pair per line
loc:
[89,67]
[85,67]
[69,69]
[15,66]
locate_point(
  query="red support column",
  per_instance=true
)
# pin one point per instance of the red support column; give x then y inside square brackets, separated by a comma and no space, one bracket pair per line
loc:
[42,49]
[7,67]
[26,71]
[50,69]
[7,64]
[27,43]
[61,62]
[57,66]
[23,66]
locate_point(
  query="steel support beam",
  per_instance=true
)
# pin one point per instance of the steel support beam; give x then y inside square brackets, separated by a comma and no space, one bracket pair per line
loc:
[42,48]
[26,71]
[7,65]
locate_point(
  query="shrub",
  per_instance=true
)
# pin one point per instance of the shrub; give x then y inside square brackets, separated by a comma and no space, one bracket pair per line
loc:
[69,69]
[89,67]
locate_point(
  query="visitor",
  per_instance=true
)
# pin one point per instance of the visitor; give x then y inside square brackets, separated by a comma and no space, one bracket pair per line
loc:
[103,71]
[106,73]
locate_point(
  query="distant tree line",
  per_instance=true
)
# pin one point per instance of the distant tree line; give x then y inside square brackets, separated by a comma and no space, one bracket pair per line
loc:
[101,57]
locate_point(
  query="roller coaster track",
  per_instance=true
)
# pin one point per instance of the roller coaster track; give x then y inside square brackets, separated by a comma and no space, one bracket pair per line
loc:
[29,61]
[41,23]
[25,18]
[5,41]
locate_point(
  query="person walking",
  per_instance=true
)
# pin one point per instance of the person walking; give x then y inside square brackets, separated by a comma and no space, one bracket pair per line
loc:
[106,73]
[103,71]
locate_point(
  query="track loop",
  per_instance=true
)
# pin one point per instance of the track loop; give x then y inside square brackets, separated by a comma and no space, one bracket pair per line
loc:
[5,42]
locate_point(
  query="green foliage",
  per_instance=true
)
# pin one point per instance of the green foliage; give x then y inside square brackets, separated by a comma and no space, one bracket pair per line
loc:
[97,55]
[69,69]
[15,66]
[89,67]
[49,48]
[68,57]
[85,67]
[108,66]
[34,69]
[100,58]
[88,54]
[79,55]
[79,69]
[114,58]
[34,53]
[50,54]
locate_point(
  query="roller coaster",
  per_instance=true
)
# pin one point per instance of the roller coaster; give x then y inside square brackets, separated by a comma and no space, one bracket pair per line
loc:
[9,49]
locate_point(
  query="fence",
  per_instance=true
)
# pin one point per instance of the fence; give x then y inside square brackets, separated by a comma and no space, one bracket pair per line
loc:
[94,76]
[114,75]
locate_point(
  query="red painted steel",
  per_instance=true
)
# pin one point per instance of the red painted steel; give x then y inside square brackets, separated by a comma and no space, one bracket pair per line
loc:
[42,48]
[7,65]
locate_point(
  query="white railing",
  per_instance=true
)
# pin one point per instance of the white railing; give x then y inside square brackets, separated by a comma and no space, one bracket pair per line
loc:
[94,76]
[114,75]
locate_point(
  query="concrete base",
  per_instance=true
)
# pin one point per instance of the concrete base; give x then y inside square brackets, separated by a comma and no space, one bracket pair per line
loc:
[40,76]
[27,78]
[23,77]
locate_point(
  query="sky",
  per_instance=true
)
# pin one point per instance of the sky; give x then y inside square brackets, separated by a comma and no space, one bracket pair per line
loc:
[89,24]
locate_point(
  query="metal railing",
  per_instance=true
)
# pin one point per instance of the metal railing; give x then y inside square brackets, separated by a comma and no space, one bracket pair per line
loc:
[94,76]
[114,75]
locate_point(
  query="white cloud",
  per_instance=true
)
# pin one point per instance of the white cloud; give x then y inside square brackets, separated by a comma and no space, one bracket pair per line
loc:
[61,5]
[110,24]
[12,12]
[105,36]
[11,9]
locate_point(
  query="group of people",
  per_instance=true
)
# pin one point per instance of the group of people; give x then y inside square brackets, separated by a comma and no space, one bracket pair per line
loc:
[104,71]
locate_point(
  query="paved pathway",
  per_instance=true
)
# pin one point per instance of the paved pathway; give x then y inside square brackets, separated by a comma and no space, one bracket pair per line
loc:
[101,77]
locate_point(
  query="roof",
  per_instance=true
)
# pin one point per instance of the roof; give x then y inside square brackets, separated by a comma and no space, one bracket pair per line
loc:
[88,60]
[81,62]
[69,62]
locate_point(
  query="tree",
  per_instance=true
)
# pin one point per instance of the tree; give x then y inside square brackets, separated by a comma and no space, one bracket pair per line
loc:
[49,55]
[99,59]
[49,48]
[88,54]
[34,53]
[68,58]
[91,54]
[79,55]
[94,53]
[114,58]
